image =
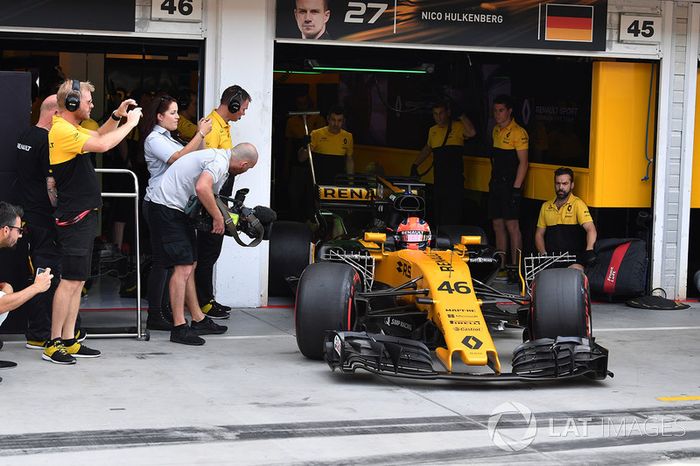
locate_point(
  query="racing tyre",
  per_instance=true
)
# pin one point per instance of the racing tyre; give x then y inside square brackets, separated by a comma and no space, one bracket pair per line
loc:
[290,244]
[325,301]
[560,305]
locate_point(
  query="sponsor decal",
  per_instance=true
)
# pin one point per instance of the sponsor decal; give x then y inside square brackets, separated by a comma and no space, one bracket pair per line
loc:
[472,342]
[339,193]
[444,265]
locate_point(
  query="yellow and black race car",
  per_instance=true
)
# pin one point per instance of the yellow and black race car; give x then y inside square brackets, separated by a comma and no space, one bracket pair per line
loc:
[376,303]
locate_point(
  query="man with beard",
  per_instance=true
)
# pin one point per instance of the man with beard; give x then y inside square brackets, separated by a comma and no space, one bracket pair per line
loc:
[10,231]
[565,225]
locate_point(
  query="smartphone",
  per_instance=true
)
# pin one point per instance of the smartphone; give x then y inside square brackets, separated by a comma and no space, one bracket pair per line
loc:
[40,270]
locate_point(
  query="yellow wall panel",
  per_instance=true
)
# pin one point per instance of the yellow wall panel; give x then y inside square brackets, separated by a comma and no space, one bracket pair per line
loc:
[619,112]
[695,190]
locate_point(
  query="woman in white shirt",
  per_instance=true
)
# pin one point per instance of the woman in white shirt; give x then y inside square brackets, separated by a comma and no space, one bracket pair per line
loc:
[161,150]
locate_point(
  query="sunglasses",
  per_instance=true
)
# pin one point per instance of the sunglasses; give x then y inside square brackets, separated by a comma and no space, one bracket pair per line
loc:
[19,229]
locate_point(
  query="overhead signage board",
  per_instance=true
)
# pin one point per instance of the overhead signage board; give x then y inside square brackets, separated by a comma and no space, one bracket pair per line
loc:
[564,24]
[176,10]
[75,14]
[640,28]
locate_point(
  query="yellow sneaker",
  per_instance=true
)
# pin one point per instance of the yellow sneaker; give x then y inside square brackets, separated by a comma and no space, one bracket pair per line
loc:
[56,353]
[79,350]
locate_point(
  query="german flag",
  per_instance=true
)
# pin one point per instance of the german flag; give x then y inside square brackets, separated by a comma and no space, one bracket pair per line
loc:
[570,23]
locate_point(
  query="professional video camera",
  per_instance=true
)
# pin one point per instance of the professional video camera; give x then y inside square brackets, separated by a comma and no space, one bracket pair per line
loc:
[255,222]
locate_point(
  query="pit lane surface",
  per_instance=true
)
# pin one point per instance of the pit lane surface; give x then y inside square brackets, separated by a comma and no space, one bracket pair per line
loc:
[249,397]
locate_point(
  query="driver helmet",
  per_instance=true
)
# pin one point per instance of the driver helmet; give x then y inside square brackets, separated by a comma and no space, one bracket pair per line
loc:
[413,233]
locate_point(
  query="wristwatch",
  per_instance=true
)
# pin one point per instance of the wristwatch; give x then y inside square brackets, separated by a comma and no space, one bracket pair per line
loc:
[116,117]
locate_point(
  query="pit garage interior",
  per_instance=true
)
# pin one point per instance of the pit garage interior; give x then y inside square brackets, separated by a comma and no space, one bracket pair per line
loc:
[249,396]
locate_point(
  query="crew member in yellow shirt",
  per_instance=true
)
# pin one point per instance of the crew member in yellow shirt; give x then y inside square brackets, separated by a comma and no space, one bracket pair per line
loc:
[187,106]
[565,225]
[232,106]
[446,143]
[332,149]
[509,162]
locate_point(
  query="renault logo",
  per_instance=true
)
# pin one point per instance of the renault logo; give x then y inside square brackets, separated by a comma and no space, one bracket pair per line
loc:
[472,342]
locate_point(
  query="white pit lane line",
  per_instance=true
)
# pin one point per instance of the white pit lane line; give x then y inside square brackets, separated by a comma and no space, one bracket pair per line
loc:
[642,329]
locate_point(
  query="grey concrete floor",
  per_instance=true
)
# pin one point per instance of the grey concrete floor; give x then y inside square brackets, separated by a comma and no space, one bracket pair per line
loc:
[249,397]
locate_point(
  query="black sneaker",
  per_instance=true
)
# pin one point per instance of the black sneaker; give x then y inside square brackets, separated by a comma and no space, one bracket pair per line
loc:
[156,321]
[78,350]
[214,310]
[185,335]
[56,353]
[80,335]
[218,305]
[207,326]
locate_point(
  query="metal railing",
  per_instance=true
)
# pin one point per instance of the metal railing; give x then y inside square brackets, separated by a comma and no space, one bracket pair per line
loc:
[138,331]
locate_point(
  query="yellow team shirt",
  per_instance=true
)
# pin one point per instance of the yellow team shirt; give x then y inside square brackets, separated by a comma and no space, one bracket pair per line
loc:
[185,128]
[511,137]
[90,124]
[436,134]
[220,135]
[295,125]
[326,143]
[65,140]
[573,212]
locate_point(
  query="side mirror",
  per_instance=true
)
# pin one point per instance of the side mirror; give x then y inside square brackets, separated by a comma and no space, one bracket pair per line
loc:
[379,238]
[465,240]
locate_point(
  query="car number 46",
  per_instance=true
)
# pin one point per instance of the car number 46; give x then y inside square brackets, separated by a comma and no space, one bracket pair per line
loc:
[456,287]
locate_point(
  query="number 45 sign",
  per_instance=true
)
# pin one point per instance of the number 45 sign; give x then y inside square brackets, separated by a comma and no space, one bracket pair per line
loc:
[176,10]
[640,29]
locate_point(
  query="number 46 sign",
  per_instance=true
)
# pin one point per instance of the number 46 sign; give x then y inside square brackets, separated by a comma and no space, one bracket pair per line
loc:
[176,10]
[640,29]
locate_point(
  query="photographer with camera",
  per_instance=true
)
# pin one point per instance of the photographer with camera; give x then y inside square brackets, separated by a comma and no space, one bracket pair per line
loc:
[201,173]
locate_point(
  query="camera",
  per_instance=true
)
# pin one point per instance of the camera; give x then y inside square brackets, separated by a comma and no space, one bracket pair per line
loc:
[253,222]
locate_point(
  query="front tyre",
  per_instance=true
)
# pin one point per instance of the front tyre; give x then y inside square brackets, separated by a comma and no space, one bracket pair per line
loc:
[561,305]
[325,301]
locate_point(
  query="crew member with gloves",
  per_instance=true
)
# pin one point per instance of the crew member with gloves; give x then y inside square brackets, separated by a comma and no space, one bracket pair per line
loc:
[446,143]
[508,170]
[565,225]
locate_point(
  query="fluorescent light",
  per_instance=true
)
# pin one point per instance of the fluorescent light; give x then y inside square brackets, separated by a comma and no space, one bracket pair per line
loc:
[370,70]
[296,72]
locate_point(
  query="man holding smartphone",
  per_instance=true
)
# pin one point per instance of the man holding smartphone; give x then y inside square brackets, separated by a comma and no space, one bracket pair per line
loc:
[10,231]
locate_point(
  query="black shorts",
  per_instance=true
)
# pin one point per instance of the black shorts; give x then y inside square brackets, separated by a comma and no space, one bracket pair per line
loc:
[76,242]
[500,205]
[177,238]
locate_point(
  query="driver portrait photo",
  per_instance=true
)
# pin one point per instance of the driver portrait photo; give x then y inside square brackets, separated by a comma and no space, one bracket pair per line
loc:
[311,17]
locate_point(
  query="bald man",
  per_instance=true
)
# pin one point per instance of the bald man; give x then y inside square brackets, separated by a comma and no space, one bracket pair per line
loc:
[203,173]
[37,193]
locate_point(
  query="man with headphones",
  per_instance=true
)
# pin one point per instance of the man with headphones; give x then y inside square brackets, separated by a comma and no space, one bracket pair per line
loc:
[79,197]
[232,106]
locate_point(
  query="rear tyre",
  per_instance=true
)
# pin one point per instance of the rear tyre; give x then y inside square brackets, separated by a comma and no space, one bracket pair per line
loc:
[560,305]
[290,244]
[325,301]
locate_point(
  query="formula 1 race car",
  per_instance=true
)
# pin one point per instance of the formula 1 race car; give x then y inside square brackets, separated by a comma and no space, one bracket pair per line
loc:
[385,301]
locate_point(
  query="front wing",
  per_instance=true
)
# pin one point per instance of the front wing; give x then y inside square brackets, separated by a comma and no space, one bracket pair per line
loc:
[538,360]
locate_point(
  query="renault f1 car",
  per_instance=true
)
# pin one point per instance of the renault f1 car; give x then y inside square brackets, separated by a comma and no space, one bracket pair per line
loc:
[366,303]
